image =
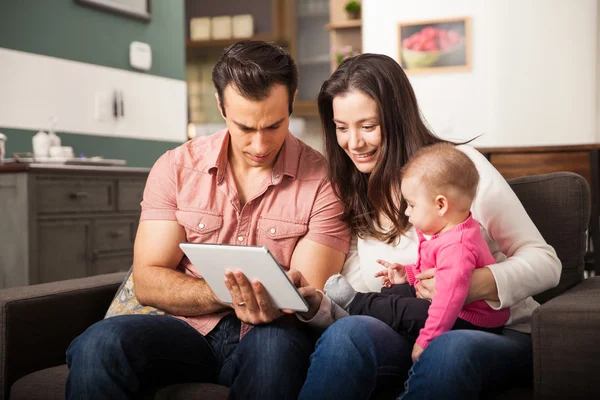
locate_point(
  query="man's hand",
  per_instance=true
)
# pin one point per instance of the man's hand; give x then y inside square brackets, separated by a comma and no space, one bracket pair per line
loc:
[394,274]
[310,294]
[251,302]
[416,352]
[426,286]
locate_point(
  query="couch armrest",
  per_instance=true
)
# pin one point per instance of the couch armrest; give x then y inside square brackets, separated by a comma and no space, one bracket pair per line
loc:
[566,344]
[38,322]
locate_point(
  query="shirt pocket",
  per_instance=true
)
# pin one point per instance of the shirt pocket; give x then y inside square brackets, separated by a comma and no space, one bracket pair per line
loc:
[200,226]
[280,237]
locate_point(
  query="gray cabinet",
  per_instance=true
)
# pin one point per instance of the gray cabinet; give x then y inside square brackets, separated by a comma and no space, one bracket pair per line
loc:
[60,223]
[63,250]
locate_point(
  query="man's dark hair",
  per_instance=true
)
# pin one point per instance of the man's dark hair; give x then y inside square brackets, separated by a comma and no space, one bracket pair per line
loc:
[252,68]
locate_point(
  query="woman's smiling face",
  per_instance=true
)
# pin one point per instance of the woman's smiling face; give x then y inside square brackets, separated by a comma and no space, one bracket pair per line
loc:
[358,129]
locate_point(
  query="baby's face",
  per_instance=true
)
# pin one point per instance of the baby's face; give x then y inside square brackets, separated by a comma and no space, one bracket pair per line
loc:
[421,210]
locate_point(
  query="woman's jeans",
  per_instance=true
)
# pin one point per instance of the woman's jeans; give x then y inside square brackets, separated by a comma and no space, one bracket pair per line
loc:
[122,357]
[360,357]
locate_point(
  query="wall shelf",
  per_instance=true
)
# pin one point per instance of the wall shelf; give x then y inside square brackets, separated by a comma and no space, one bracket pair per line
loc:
[315,60]
[191,45]
[305,109]
[355,23]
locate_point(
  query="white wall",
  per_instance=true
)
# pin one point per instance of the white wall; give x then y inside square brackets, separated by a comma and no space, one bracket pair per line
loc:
[35,88]
[533,80]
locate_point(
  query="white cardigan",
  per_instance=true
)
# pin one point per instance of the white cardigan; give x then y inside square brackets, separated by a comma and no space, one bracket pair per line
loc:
[525,264]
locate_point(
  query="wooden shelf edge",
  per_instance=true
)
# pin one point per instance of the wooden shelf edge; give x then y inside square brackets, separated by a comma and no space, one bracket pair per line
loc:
[305,109]
[355,23]
[215,43]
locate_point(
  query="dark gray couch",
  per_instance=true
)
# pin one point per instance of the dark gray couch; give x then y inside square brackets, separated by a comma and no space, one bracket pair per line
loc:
[37,323]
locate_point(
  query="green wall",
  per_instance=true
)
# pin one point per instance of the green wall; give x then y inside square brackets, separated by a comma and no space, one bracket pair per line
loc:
[66,29]
[138,153]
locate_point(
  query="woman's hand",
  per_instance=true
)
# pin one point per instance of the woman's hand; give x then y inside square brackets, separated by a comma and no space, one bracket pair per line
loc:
[483,285]
[426,286]
[310,294]
[251,302]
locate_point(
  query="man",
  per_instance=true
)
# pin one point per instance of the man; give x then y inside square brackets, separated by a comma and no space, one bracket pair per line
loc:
[251,184]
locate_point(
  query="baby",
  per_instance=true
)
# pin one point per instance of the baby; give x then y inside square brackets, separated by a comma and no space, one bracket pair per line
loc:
[438,184]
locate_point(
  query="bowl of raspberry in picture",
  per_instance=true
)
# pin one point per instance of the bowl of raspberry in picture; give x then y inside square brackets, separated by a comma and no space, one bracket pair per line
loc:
[427,47]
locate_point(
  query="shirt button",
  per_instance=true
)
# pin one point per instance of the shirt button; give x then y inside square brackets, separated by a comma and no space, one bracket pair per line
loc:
[201,226]
[272,230]
[240,238]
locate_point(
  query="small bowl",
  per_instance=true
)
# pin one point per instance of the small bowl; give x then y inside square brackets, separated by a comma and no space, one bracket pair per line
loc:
[425,59]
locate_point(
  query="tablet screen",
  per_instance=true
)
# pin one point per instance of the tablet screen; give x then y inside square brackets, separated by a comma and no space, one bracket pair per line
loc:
[256,262]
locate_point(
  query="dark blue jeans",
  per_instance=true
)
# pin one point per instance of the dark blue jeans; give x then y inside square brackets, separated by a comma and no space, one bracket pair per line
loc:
[123,357]
[360,357]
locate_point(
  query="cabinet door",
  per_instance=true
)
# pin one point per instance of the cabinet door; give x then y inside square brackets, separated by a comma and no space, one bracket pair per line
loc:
[312,48]
[63,250]
[113,234]
[109,263]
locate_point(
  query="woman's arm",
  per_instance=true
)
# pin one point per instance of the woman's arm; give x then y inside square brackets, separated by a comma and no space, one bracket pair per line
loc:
[525,264]
[324,311]
[482,287]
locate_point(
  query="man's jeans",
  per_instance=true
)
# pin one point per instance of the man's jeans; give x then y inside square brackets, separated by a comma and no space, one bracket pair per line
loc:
[360,357]
[124,357]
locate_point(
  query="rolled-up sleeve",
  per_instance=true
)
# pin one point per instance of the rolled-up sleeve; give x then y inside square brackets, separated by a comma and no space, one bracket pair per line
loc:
[160,193]
[325,225]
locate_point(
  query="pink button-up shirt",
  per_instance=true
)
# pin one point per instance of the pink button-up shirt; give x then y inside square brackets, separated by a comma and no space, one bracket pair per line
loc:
[193,186]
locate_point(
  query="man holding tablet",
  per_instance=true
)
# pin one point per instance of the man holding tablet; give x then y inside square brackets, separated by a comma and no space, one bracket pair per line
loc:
[251,184]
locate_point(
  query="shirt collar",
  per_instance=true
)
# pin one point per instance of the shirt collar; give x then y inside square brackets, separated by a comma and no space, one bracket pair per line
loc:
[286,163]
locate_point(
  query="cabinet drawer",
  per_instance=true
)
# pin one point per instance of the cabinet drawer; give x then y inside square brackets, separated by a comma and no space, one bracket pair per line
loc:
[113,234]
[131,192]
[107,264]
[70,195]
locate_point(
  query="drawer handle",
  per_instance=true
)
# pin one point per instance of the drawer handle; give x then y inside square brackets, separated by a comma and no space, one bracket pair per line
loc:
[117,234]
[79,195]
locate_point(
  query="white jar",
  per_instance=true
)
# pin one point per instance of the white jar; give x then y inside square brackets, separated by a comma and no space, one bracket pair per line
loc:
[41,144]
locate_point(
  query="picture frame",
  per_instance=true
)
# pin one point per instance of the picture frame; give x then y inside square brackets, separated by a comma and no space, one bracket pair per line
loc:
[138,9]
[439,45]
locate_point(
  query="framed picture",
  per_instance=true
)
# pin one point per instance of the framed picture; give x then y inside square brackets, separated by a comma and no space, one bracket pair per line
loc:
[139,9]
[442,45]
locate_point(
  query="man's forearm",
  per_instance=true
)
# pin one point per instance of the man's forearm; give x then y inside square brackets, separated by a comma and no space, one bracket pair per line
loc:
[174,292]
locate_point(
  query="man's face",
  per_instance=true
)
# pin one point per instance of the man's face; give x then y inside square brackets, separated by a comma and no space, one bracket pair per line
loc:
[257,128]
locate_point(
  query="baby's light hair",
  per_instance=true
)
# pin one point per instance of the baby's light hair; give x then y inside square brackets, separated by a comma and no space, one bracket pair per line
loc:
[443,169]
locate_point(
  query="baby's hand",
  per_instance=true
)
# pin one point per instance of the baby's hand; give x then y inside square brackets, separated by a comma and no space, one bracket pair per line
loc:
[394,274]
[416,352]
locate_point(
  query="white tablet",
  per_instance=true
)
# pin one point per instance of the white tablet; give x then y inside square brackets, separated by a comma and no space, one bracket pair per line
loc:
[257,263]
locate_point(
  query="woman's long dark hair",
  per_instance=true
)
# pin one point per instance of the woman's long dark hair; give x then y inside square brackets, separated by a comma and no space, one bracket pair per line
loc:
[403,133]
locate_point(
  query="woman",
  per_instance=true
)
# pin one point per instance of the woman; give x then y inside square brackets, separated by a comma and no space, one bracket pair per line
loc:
[372,126]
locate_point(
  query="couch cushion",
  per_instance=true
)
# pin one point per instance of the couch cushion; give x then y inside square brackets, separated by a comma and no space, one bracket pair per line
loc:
[516,393]
[183,391]
[49,384]
[559,206]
